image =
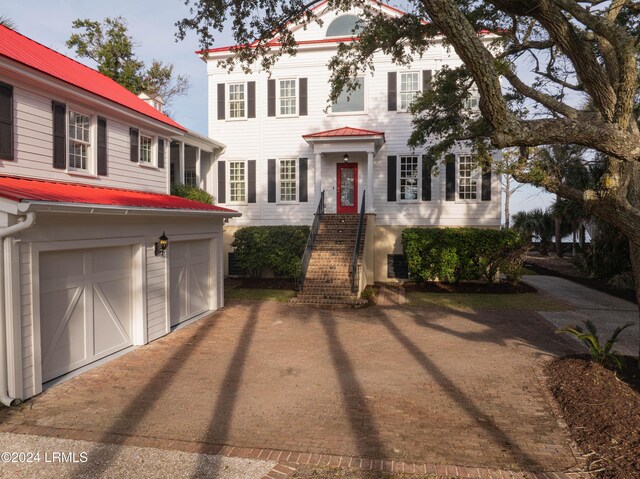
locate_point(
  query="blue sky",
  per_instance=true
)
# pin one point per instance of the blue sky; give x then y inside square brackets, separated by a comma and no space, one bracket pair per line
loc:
[151,24]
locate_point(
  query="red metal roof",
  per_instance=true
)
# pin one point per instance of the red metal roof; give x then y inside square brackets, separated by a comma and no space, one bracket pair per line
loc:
[23,50]
[31,190]
[345,131]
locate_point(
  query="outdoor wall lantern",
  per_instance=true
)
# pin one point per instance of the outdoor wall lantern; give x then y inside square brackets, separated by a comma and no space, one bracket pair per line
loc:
[161,245]
[346,157]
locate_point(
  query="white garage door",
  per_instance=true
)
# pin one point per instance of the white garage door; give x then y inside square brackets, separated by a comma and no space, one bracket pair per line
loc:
[85,307]
[190,264]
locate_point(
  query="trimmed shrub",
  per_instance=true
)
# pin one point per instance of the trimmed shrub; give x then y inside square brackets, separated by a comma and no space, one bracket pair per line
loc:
[457,254]
[191,193]
[279,248]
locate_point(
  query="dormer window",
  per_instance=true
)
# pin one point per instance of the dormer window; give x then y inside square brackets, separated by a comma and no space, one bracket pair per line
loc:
[345,26]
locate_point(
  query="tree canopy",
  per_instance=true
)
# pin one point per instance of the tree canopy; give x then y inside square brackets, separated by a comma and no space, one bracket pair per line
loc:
[111,47]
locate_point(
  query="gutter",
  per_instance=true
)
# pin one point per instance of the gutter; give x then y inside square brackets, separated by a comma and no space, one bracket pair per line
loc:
[63,207]
[5,290]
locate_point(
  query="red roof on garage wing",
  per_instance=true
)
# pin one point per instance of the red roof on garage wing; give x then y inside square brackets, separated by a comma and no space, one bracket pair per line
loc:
[22,49]
[29,190]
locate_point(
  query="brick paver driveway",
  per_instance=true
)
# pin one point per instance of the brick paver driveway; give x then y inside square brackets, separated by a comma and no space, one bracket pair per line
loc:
[383,382]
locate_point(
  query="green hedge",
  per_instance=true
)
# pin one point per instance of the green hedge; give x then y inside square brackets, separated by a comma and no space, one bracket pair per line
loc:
[279,248]
[191,193]
[457,254]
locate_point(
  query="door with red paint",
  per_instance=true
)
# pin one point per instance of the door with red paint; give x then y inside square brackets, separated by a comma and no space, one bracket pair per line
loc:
[347,188]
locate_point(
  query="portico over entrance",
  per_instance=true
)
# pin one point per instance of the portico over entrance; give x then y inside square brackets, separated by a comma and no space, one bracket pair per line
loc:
[344,167]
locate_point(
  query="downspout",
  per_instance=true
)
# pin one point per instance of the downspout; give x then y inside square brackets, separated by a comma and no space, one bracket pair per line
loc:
[27,222]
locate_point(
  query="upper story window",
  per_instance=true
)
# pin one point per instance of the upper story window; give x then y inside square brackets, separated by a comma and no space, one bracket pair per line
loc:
[472,103]
[287,97]
[79,141]
[288,180]
[6,122]
[237,101]
[351,102]
[237,182]
[467,177]
[408,177]
[409,88]
[344,26]
[146,149]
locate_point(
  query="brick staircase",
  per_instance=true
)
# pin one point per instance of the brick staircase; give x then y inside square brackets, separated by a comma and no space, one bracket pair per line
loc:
[328,281]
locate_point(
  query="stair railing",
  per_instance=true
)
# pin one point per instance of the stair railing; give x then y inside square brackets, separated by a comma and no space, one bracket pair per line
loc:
[356,250]
[306,257]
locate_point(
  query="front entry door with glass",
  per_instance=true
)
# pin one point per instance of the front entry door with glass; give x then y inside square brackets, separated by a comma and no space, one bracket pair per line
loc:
[347,188]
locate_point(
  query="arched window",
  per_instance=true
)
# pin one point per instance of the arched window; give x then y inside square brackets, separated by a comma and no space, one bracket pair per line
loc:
[344,26]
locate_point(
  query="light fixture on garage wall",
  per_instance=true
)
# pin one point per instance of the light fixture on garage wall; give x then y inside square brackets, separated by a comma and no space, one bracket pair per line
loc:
[161,245]
[346,157]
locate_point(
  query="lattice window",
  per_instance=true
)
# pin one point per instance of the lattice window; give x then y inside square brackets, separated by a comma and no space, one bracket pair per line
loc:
[409,87]
[409,177]
[237,182]
[79,141]
[288,177]
[467,177]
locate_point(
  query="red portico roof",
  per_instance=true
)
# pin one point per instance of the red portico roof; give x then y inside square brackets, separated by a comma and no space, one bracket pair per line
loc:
[345,131]
[29,190]
[28,52]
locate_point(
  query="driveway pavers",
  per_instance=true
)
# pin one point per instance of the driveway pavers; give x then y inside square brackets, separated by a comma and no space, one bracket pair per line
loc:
[387,382]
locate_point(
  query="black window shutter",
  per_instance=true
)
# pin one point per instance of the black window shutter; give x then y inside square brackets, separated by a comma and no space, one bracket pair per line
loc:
[134,136]
[251,99]
[392,91]
[251,177]
[59,135]
[426,178]
[271,98]
[6,122]
[450,177]
[102,146]
[271,181]
[391,178]
[161,153]
[426,80]
[486,183]
[303,195]
[302,85]
[221,103]
[222,182]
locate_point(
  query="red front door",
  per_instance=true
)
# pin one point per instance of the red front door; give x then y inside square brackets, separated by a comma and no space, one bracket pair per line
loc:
[347,188]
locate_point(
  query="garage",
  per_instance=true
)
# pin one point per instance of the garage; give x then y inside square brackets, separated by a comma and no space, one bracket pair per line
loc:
[85,306]
[190,279]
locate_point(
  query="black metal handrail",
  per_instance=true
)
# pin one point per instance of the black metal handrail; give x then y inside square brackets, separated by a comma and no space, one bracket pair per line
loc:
[306,257]
[356,248]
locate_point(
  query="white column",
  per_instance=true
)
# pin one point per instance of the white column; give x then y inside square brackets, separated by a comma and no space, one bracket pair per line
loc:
[181,163]
[318,176]
[369,197]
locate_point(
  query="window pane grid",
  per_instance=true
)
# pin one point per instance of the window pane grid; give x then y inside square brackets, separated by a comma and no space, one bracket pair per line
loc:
[467,184]
[237,192]
[145,149]
[409,177]
[236,101]
[79,141]
[288,97]
[409,87]
[287,180]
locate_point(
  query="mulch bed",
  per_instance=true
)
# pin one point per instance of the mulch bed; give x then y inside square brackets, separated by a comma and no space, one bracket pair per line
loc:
[469,287]
[267,283]
[602,411]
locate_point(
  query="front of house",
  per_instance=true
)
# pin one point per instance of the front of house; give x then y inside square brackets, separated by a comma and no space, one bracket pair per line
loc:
[286,145]
[84,216]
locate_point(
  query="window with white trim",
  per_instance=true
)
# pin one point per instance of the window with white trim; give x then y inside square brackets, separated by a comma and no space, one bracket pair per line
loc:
[409,88]
[467,177]
[79,141]
[408,178]
[237,101]
[287,97]
[237,182]
[350,102]
[288,180]
[146,150]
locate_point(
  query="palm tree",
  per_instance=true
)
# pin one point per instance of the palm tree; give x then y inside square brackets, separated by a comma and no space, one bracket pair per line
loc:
[8,23]
[536,223]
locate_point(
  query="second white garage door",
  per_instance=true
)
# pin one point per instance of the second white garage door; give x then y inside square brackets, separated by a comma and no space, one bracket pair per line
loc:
[190,264]
[85,307]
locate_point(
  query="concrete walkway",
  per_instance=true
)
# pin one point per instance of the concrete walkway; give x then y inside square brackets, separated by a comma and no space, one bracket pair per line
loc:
[605,311]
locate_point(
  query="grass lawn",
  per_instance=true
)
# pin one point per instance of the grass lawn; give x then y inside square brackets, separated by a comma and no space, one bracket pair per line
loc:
[466,302]
[256,294]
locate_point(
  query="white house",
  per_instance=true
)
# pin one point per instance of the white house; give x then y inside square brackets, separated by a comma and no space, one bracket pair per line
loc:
[84,213]
[284,149]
